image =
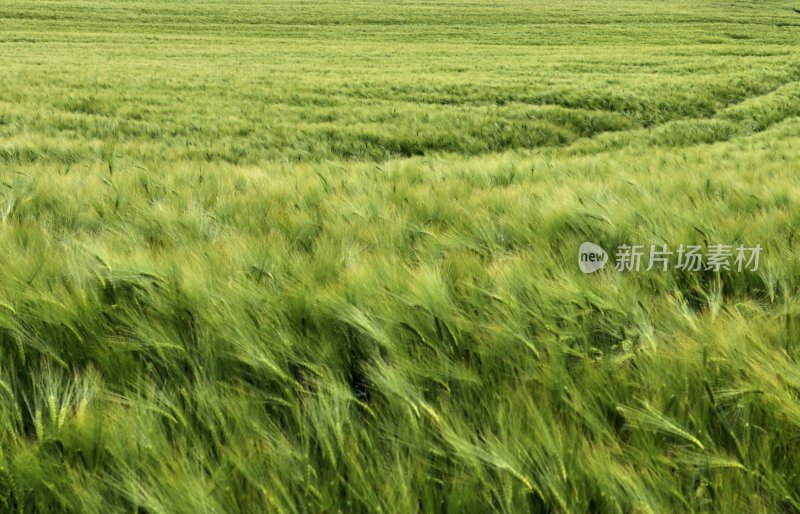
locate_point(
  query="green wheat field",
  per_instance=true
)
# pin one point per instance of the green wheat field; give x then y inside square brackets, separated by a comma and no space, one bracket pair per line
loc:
[322,256]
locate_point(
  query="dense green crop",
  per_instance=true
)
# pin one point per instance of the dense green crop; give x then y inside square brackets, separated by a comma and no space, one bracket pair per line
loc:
[290,256]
